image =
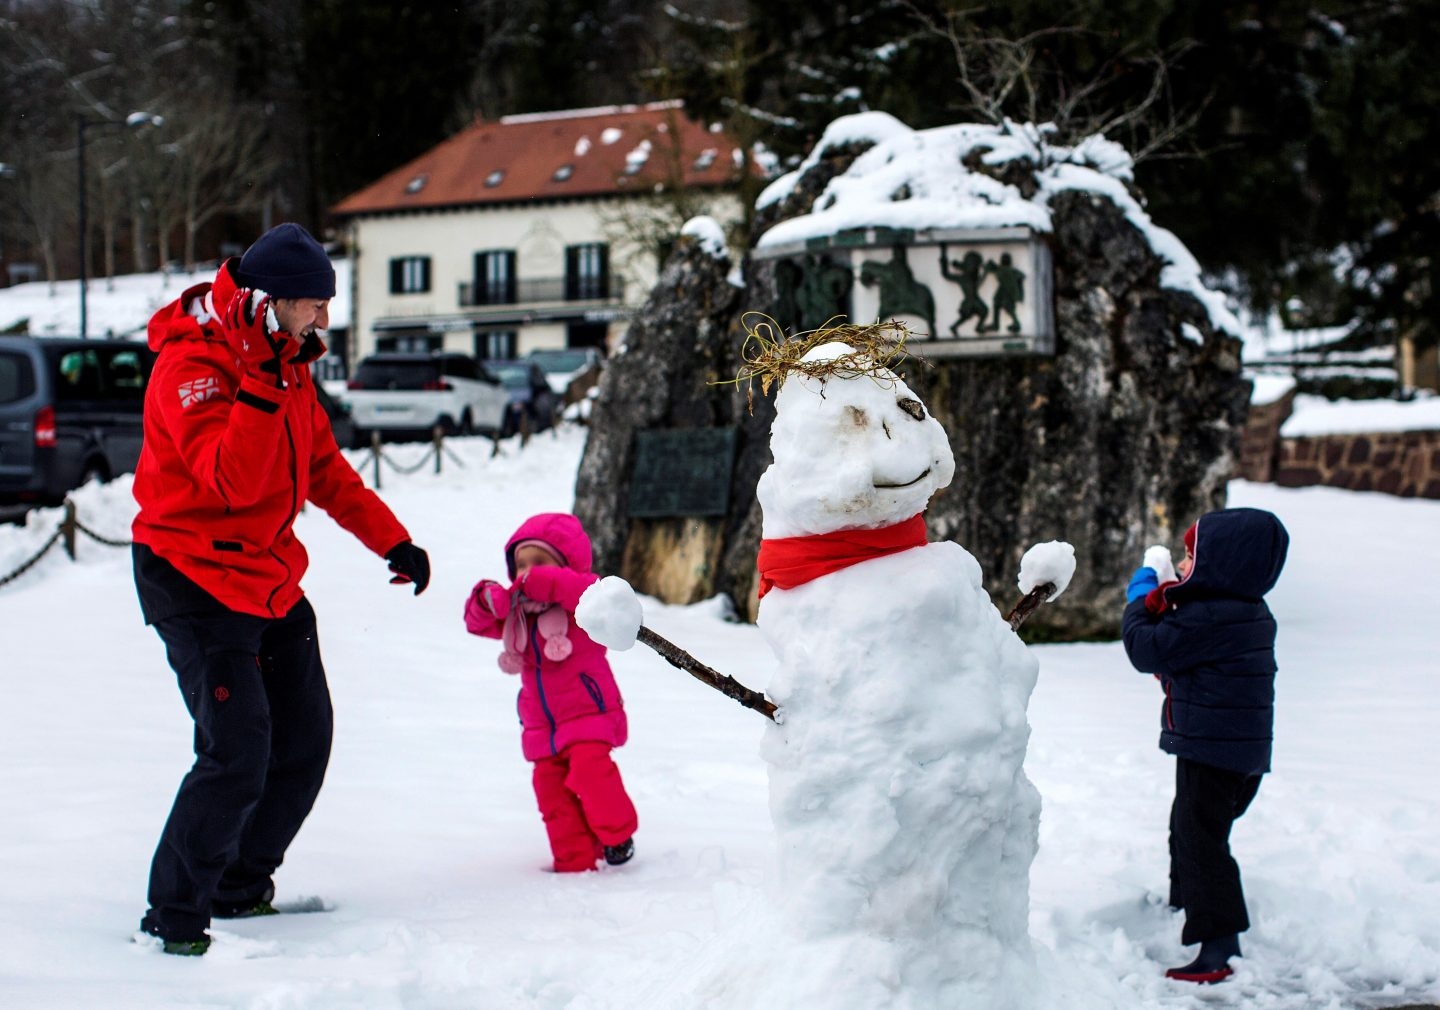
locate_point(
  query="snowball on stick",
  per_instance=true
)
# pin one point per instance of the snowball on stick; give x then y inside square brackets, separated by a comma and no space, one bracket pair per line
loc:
[1052,562]
[610,613]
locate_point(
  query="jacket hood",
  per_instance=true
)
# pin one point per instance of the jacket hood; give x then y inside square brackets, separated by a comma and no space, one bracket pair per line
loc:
[182,319]
[558,531]
[1238,552]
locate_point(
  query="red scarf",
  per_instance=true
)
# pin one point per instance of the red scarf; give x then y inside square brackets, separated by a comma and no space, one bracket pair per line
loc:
[1155,601]
[793,561]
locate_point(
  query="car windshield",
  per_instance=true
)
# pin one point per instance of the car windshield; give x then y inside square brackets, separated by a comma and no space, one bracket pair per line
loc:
[397,374]
[511,376]
[560,361]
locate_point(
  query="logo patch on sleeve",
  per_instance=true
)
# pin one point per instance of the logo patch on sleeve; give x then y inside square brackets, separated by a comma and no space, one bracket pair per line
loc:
[198,391]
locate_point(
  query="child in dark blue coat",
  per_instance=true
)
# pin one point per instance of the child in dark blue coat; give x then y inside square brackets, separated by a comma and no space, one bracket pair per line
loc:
[1210,639]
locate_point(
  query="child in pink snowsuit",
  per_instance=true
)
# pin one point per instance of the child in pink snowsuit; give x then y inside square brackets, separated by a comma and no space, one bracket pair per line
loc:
[571,712]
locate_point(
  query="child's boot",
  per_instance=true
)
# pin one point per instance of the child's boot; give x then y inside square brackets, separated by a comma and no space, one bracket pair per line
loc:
[620,853]
[1212,964]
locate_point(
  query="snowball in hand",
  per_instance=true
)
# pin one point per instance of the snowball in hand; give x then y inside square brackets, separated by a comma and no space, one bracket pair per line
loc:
[1158,559]
[609,612]
[1052,562]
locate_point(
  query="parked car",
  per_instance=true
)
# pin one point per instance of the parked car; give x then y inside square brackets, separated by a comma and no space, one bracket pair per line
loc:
[532,402]
[71,411]
[570,371]
[401,393]
[341,423]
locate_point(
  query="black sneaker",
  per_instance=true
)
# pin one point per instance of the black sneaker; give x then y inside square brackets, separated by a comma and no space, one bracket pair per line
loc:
[186,948]
[248,909]
[261,907]
[622,853]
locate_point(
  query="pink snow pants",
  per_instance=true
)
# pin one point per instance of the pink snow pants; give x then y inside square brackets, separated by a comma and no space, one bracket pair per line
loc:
[584,805]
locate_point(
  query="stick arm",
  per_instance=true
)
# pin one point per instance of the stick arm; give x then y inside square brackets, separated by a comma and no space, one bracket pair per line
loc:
[728,686]
[1029,603]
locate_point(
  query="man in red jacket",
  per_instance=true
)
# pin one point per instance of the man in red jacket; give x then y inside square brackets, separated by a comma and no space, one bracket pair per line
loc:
[235,443]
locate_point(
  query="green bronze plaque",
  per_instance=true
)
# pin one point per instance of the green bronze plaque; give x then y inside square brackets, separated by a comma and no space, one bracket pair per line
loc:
[682,472]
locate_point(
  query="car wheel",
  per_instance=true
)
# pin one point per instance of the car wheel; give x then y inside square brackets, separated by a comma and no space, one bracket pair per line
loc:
[95,469]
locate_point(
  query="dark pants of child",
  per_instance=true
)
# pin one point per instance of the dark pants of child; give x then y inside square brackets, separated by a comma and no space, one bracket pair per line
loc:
[257,692]
[1204,877]
[584,804]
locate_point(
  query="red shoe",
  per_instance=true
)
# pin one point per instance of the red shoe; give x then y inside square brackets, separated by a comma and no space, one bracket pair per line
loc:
[1185,974]
[1213,963]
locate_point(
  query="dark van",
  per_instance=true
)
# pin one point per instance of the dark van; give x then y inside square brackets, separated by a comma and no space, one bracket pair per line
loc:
[70,411]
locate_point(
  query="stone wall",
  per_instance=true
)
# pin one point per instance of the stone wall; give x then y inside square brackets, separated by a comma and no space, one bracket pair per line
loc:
[1404,463]
[1260,441]
[1399,463]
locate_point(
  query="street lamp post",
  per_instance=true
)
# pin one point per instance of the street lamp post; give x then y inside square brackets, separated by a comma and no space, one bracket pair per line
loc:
[135,119]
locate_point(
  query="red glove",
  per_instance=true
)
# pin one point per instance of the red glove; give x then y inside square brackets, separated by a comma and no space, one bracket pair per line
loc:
[247,320]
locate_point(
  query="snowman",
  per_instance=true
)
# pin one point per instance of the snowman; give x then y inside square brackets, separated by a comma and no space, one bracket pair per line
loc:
[905,821]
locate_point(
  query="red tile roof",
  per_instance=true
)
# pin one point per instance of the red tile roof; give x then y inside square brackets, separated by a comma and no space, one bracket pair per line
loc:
[619,149]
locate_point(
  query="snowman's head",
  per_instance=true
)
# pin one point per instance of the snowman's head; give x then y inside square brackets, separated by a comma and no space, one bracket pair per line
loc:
[852,451]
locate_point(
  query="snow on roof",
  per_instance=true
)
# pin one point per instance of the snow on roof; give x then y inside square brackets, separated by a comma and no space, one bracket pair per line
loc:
[917,179]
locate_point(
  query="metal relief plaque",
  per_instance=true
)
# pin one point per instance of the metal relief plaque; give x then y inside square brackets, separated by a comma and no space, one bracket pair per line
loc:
[682,472]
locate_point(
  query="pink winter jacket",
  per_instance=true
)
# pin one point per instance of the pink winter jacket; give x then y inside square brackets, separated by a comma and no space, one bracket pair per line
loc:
[567,692]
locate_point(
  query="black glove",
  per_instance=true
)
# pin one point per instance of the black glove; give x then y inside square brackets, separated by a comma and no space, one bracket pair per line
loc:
[410,564]
[246,319]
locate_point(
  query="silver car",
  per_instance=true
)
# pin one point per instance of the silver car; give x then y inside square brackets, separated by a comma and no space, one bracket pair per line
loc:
[411,394]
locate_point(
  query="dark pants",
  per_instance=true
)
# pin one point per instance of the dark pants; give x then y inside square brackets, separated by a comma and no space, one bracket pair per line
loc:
[256,690]
[1204,877]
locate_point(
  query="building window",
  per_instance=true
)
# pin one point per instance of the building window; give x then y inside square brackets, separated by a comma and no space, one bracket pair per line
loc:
[495,277]
[410,275]
[409,343]
[587,271]
[494,345]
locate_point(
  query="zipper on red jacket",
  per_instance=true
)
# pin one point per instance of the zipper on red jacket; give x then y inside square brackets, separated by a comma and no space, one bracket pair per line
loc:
[540,682]
[290,518]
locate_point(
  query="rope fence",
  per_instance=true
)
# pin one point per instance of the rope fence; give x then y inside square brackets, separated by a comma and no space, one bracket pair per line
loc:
[65,534]
[70,527]
[437,452]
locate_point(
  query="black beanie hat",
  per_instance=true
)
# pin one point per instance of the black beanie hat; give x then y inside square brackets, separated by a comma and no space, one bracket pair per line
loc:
[287,262]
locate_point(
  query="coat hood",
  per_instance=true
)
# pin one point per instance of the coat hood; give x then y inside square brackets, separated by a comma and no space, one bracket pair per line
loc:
[558,531]
[1238,552]
[184,319]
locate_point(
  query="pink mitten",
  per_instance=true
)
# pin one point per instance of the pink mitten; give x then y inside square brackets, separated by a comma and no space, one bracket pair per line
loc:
[494,597]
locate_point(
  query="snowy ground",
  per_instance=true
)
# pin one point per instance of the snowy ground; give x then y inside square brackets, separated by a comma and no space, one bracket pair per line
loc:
[426,843]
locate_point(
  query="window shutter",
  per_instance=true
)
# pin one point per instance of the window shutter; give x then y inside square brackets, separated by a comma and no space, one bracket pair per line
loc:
[397,276]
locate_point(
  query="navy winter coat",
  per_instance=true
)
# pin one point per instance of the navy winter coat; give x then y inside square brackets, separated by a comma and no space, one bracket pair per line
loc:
[1213,647]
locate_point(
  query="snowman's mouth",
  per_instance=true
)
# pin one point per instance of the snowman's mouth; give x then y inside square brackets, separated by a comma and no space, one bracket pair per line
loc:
[917,480]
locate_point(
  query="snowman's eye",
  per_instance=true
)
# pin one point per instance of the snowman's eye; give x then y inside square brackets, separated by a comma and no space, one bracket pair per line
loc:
[914,408]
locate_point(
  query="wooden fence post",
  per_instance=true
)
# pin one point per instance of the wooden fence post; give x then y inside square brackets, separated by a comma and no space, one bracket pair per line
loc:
[67,529]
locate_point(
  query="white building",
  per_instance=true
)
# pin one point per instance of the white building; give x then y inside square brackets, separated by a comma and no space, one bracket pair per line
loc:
[542,230]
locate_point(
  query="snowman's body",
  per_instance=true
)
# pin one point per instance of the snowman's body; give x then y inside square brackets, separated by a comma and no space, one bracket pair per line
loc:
[904,817]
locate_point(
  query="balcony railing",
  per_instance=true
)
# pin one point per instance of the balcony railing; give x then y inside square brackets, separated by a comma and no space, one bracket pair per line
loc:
[543,289]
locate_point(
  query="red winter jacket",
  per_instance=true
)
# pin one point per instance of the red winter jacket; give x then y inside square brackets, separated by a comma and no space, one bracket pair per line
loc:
[566,696]
[228,459]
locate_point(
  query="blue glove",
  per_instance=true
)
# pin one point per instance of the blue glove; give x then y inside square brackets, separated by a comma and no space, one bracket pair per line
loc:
[1141,583]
